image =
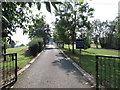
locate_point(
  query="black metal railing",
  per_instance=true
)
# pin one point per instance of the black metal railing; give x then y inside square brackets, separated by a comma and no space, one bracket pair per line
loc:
[8,69]
[107,72]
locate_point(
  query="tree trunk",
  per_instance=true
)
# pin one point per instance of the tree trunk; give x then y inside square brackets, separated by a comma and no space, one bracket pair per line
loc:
[96,45]
[4,47]
[73,37]
[44,41]
[73,47]
[69,47]
[62,45]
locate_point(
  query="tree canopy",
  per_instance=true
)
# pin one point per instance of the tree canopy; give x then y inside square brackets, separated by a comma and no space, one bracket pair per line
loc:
[72,18]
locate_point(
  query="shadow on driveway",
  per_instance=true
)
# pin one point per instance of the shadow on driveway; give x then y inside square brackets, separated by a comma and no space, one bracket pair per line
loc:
[50,48]
[67,66]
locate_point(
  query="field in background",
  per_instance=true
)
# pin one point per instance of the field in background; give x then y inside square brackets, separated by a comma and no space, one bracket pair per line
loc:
[22,55]
[88,60]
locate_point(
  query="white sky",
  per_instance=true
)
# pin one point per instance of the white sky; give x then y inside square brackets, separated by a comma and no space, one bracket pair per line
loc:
[104,10]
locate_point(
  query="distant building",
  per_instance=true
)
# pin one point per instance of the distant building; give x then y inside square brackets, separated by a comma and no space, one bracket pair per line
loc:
[119,8]
[12,44]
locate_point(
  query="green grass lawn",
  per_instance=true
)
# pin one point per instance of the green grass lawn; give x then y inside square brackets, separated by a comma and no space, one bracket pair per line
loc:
[93,46]
[22,57]
[95,51]
[88,58]
[8,67]
[102,52]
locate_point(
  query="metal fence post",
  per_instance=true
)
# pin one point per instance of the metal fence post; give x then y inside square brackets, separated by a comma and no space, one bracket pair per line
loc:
[8,75]
[119,74]
[97,82]
[15,66]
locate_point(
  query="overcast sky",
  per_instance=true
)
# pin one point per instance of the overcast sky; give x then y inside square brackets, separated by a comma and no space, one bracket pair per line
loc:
[104,10]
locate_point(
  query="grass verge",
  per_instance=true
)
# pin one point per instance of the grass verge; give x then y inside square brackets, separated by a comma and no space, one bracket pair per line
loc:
[22,55]
[88,58]
[108,67]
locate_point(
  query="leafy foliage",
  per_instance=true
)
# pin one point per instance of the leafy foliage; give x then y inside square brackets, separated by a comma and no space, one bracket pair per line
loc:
[39,28]
[72,18]
[106,33]
[35,46]
[14,16]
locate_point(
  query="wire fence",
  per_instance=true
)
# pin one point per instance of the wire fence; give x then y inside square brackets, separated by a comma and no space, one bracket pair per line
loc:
[107,72]
[8,69]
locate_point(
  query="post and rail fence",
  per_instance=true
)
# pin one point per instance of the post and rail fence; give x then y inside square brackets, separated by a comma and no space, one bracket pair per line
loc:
[8,69]
[107,72]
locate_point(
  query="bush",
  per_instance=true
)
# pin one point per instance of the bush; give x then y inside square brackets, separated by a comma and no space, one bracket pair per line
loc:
[87,43]
[35,46]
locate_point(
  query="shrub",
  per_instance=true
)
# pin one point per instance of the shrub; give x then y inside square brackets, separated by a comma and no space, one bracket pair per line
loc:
[87,43]
[35,46]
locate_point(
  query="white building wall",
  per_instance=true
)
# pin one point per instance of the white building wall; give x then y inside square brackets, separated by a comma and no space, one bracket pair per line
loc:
[119,8]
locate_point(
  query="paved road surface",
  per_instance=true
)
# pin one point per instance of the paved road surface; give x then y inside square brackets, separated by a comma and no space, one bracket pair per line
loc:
[51,70]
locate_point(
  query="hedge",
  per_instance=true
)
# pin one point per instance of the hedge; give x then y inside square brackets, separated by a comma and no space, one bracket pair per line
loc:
[35,46]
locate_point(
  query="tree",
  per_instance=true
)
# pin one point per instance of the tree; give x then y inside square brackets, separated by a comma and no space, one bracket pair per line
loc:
[39,28]
[97,27]
[22,45]
[14,16]
[118,31]
[61,27]
[106,34]
[76,18]
[12,44]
